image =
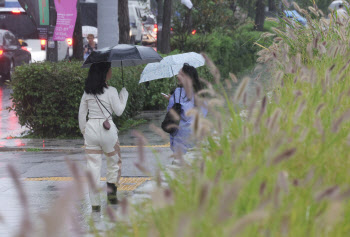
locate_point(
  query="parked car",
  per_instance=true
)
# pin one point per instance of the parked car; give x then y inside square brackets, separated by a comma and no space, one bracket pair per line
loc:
[15,19]
[135,19]
[295,16]
[150,29]
[12,53]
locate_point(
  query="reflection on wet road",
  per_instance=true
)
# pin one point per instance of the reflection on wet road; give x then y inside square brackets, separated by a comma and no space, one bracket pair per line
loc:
[9,126]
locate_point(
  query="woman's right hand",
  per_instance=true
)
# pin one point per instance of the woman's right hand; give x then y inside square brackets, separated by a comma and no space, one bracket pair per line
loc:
[124,92]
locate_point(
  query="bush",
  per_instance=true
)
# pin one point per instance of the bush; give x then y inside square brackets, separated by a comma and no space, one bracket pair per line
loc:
[231,51]
[46,97]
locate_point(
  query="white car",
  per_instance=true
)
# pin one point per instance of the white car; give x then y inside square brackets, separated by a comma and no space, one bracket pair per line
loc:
[135,19]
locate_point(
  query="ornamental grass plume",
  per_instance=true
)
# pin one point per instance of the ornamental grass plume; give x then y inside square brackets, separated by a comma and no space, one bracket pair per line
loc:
[212,68]
[26,226]
[287,154]
[327,193]
[344,117]
[282,181]
[246,220]
[233,78]
[159,131]
[241,89]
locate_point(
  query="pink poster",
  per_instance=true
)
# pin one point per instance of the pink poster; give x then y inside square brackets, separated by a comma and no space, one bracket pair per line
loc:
[66,17]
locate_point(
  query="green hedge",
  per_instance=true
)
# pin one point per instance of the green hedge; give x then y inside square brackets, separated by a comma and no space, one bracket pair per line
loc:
[46,97]
[231,51]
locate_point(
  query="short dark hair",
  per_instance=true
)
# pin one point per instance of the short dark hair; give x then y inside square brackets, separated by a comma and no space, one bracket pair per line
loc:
[96,80]
[193,74]
[340,5]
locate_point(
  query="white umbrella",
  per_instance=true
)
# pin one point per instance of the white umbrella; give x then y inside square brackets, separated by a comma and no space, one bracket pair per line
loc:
[170,66]
[187,3]
[335,4]
[89,30]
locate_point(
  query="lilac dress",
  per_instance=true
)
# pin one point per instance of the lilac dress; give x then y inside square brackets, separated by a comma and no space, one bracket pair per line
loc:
[181,140]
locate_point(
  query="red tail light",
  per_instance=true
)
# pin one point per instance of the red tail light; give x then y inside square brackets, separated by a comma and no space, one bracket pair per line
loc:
[43,44]
[194,32]
[16,12]
[1,52]
[155,29]
[69,41]
[25,48]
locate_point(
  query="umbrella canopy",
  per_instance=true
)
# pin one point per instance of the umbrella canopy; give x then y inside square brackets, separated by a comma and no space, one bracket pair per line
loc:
[170,66]
[89,30]
[123,55]
[335,4]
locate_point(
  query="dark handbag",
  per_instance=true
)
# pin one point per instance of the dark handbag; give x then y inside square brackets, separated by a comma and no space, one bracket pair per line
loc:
[106,125]
[172,118]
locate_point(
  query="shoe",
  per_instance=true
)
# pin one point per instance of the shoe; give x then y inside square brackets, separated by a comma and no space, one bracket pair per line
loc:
[96,208]
[112,193]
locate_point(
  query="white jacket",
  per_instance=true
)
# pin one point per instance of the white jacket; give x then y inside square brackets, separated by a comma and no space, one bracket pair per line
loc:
[110,99]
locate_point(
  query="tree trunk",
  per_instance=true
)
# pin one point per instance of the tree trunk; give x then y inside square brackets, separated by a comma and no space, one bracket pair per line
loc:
[159,22]
[272,5]
[233,5]
[78,47]
[124,23]
[260,15]
[188,21]
[166,27]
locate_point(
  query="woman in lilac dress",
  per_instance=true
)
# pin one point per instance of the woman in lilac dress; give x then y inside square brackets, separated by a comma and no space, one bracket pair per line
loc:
[189,85]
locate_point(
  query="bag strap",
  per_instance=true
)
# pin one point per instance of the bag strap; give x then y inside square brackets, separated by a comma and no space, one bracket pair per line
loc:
[180,94]
[179,97]
[103,107]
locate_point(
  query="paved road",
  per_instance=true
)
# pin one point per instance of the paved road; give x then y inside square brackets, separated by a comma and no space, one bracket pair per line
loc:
[49,165]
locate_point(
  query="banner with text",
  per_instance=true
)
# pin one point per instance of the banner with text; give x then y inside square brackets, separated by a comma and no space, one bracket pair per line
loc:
[66,17]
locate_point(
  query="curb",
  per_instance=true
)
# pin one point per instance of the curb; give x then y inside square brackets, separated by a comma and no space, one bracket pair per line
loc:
[35,149]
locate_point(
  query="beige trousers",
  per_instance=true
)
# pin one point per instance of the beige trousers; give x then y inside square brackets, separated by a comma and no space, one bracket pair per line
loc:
[98,141]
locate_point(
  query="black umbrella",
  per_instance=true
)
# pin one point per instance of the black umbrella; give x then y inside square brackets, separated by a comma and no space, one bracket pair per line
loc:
[123,55]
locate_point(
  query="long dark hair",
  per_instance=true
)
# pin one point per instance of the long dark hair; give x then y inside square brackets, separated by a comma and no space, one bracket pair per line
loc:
[96,80]
[193,74]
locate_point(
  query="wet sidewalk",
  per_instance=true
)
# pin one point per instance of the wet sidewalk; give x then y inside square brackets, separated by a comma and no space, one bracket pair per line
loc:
[12,142]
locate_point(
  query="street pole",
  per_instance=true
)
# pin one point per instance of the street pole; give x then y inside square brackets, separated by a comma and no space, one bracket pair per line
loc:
[107,23]
[51,47]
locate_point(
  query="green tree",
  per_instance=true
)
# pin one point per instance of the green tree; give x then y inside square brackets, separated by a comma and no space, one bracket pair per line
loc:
[321,4]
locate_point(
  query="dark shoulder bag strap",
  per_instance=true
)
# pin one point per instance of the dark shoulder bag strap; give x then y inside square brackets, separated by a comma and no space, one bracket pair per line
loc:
[102,105]
[180,94]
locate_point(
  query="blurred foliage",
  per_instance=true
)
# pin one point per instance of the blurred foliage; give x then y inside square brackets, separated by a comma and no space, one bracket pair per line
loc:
[46,97]
[207,15]
[321,4]
[231,51]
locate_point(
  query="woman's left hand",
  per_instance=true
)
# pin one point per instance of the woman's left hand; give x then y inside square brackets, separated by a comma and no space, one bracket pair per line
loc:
[166,96]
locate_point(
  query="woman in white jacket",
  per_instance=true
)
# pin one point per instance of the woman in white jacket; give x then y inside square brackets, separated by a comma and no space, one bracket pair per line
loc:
[99,101]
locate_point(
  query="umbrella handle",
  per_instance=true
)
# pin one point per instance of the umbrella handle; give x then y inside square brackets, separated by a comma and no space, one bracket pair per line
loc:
[122,74]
